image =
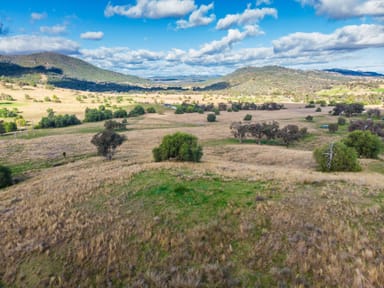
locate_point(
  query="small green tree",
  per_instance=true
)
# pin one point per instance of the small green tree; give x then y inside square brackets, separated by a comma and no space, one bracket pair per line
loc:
[5,176]
[151,110]
[336,157]
[366,144]
[211,117]
[179,146]
[309,118]
[107,141]
[333,127]
[137,111]
[341,121]
[247,117]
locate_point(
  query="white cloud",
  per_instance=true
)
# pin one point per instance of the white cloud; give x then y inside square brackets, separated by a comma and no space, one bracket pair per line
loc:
[198,18]
[347,38]
[342,9]
[248,17]
[38,16]
[261,2]
[233,36]
[92,35]
[153,9]
[55,30]
[25,44]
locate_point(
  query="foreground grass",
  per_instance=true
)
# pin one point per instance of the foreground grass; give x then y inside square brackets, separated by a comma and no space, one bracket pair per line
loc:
[192,228]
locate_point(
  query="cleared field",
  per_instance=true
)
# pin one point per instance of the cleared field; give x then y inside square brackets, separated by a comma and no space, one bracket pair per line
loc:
[247,216]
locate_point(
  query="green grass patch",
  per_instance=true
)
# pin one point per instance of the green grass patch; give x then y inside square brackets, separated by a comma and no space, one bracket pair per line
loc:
[30,166]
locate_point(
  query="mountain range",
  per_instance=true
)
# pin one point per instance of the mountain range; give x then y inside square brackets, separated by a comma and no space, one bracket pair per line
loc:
[70,72]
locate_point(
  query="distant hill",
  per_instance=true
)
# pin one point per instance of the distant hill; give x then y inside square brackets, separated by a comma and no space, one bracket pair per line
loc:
[62,66]
[273,80]
[347,72]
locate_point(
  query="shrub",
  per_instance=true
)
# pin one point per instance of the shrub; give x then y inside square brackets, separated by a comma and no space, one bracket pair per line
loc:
[10,127]
[374,113]
[366,144]
[106,142]
[318,109]
[309,118]
[5,176]
[151,110]
[2,128]
[211,117]
[179,146]
[290,133]
[248,117]
[336,157]
[114,125]
[120,113]
[216,111]
[333,127]
[341,121]
[179,110]
[94,115]
[136,111]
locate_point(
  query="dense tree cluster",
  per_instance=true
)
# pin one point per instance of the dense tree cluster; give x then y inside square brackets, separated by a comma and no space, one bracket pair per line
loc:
[178,146]
[100,114]
[366,144]
[57,121]
[234,106]
[268,131]
[347,109]
[376,128]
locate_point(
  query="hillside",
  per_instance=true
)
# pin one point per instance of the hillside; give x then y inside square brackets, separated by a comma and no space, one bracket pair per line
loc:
[274,80]
[63,66]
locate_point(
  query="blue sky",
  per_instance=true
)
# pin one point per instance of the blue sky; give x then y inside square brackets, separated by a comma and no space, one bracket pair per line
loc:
[183,37]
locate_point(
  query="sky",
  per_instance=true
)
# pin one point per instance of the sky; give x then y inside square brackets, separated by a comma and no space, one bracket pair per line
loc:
[196,37]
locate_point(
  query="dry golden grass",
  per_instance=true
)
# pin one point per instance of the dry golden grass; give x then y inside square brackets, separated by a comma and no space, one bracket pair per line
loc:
[79,224]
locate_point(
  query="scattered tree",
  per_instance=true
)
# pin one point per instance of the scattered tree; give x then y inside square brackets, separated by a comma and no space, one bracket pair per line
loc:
[211,117]
[341,121]
[106,142]
[309,118]
[333,127]
[374,113]
[247,117]
[114,125]
[336,157]
[136,111]
[120,113]
[376,128]
[179,146]
[151,110]
[101,114]
[366,144]
[290,134]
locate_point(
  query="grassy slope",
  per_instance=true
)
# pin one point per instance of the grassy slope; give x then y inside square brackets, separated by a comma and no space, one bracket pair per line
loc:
[248,216]
[72,68]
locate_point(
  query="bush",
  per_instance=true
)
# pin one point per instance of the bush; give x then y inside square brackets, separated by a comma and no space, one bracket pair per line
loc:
[120,113]
[366,144]
[57,121]
[94,115]
[5,176]
[211,117]
[216,111]
[309,118]
[106,142]
[336,157]
[318,109]
[248,117]
[114,125]
[136,111]
[333,127]
[341,121]
[179,146]
[151,110]
[179,110]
